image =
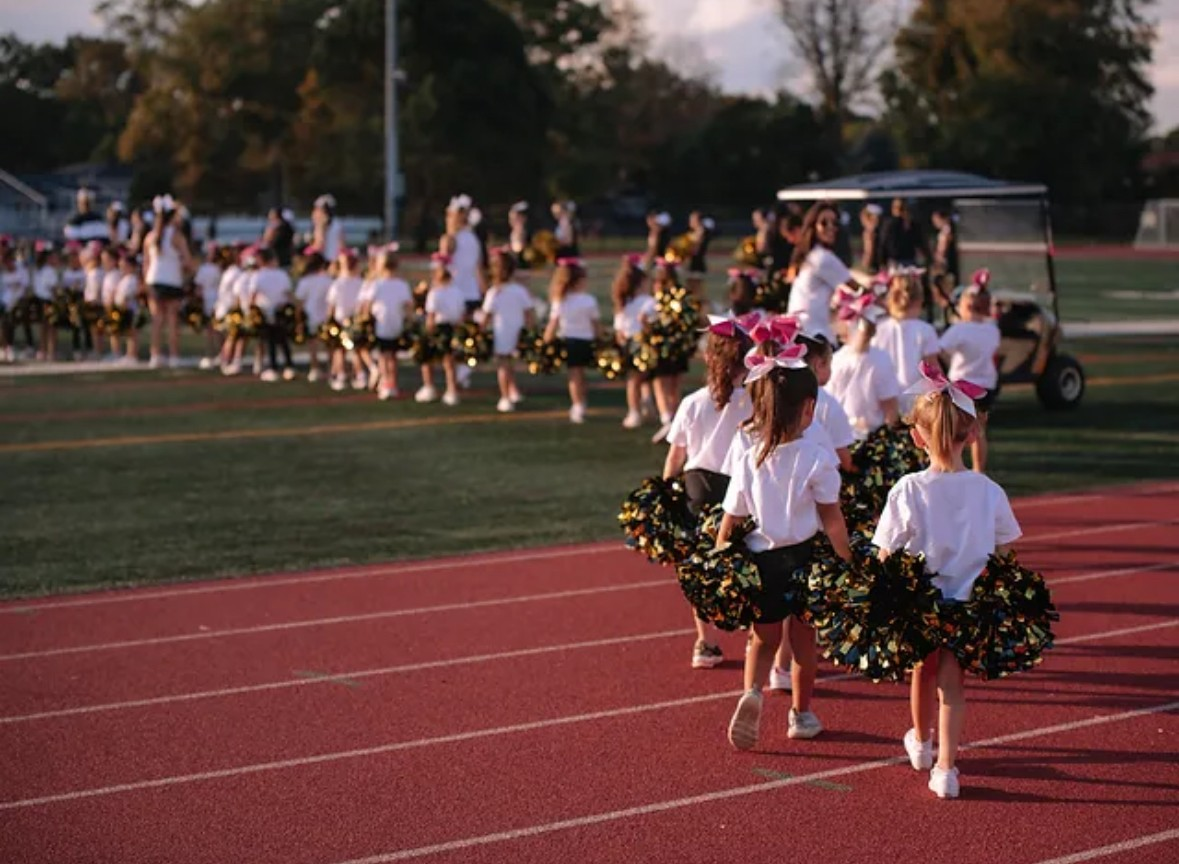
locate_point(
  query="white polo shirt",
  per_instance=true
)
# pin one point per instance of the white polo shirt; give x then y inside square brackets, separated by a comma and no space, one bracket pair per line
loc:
[576,316]
[447,304]
[506,306]
[831,417]
[272,287]
[628,323]
[312,293]
[344,296]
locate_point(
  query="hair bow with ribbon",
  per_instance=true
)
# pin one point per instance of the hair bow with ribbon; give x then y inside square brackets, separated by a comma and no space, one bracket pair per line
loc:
[859,307]
[571,262]
[981,279]
[934,380]
[774,328]
[730,328]
[327,201]
[440,259]
[760,365]
[744,273]
[635,259]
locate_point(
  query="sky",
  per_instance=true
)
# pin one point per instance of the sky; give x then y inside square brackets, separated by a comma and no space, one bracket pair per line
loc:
[740,42]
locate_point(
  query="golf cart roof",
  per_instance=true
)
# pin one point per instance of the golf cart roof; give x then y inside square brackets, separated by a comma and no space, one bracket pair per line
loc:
[911,184]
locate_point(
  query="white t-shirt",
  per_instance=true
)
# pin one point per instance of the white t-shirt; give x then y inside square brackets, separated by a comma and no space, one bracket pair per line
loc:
[821,273]
[706,433]
[312,293]
[93,290]
[955,519]
[907,342]
[44,282]
[15,283]
[207,281]
[446,303]
[506,306]
[127,292]
[333,239]
[464,265]
[389,299]
[861,382]
[73,279]
[972,346]
[628,324]
[227,291]
[272,288]
[782,495]
[344,296]
[576,316]
[243,287]
[110,287]
[830,416]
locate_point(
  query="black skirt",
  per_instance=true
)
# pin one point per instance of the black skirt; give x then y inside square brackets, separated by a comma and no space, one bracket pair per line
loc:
[580,353]
[705,488]
[777,568]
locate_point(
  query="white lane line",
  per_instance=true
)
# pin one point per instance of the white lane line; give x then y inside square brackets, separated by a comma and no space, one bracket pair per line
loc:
[1105,574]
[1125,631]
[444,739]
[1084,532]
[737,792]
[254,582]
[477,560]
[340,619]
[1083,497]
[1116,848]
[352,675]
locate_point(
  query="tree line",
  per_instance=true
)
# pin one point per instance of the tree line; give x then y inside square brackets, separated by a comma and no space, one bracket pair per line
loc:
[239,104]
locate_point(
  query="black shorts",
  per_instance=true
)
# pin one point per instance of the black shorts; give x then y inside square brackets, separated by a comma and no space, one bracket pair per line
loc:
[167,292]
[473,306]
[984,403]
[776,567]
[705,488]
[389,345]
[579,353]
[670,368]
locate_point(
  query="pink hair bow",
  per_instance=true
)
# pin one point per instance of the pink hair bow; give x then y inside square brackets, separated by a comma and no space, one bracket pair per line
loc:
[743,272]
[859,307]
[634,259]
[934,380]
[730,328]
[570,262]
[777,328]
[310,249]
[981,279]
[440,258]
[761,365]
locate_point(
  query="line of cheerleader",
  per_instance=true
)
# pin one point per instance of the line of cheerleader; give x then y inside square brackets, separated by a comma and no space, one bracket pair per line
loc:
[795,503]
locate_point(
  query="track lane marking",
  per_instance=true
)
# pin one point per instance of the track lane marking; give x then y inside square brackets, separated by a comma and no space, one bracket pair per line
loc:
[1116,848]
[534,725]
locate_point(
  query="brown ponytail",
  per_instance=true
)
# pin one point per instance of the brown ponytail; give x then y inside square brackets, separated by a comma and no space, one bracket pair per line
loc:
[626,285]
[565,277]
[779,400]
[724,358]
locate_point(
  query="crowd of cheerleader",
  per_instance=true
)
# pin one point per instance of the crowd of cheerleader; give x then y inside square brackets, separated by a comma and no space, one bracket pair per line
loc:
[816,492]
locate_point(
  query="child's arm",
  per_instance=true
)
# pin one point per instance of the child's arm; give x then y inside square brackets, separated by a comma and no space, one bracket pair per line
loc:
[836,529]
[550,330]
[892,411]
[845,460]
[673,465]
[728,524]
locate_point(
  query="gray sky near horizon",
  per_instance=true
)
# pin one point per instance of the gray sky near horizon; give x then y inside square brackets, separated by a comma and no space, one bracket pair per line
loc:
[739,42]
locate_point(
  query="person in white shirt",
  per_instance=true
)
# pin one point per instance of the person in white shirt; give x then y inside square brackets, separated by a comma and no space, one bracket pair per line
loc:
[445,309]
[327,230]
[465,254]
[904,336]
[575,319]
[311,292]
[46,282]
[167,259]
[970,346]
[508,308]
[633,308]
[92,308]
[271,292]
[701,434]
[343,303]
[955,519]
[73,282]
[14,284]
[790,487]
[208,283]
[124,305]
[863,378]
[227,303]
[818,270]
[391,307]
[243,293]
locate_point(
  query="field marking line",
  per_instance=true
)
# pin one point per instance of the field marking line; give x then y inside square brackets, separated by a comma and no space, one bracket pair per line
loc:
[514,728]
[1084,532]
[1105,574]
[352,675]
[342,619]
[252,583]
[1116,848]
[285,431]
[737,792]
[1124,631]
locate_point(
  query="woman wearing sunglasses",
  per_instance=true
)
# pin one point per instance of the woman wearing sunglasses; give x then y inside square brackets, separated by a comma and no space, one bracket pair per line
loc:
[818,270]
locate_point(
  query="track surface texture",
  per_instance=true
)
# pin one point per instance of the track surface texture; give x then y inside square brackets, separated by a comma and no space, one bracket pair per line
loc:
[536,705]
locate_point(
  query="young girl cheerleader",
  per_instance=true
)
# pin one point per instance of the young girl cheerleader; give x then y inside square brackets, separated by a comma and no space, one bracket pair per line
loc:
[125,301]
[311,292]
[15,286]
[790,487]
[956,519]
[93,274]
[365,372]
[575,319]
[863,378]
[227,303]
[243,288]
[700,437]
[343,297]
[633,307]
[45,285]
[668,372]
[508,308]
[904,336]
[112,273]
[970,346]
[272,291]
[73,283]
[391,306]
[208,282]
[445,308]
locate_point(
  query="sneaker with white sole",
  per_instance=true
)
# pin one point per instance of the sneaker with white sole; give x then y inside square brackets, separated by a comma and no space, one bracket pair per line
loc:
[661,434]
[577,414]
[339,385]
[633,420]
[173,362]
[386,393]
[746,722]
[705,656]
[505,406]
[920,752]
[426,394]
[943,783]
[289,374]
[269,375]
[516,397]
[360,382]
[155,362]
[804,724]
[206,363]
[231,370]
[450,398]
[780,679]
[313,375]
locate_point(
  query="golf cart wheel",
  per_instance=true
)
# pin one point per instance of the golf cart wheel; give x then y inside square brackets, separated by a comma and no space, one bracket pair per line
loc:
[1062,385]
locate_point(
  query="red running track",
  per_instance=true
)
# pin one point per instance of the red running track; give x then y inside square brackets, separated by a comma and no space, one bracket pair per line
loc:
[522,706]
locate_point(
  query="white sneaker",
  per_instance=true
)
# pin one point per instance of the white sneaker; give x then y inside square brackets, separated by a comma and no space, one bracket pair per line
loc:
[426,394]
[154,362]
[338,384]
[516,397]
[463,374]
[269,375]
[231,370]
[647,409]
[661,435]
[173,362]
[313,375]
[206,363]
[289,374]
[633,420]
[780,679]
[804,724]
[705,656]
[746,722]
[505,406]
[920,752]
[257,367]
[450,397]
[944,784]
[10,354]
[386,393]
[577,414]
[360,382]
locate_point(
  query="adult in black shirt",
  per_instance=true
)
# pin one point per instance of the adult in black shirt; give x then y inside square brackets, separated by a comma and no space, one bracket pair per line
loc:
[279,236]
[86,226]
[901,241]
[783,241]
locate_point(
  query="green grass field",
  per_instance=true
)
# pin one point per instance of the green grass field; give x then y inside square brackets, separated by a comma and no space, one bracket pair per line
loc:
[117,478]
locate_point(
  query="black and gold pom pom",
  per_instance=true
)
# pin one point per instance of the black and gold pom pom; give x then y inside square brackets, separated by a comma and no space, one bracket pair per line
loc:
[656,521]
[471,344]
